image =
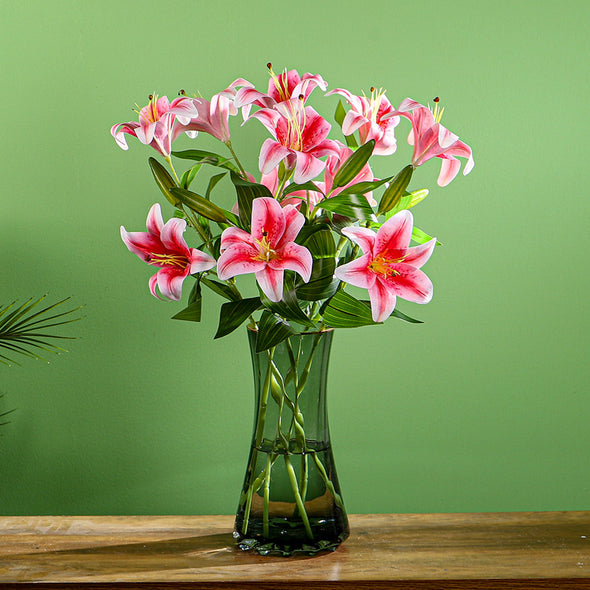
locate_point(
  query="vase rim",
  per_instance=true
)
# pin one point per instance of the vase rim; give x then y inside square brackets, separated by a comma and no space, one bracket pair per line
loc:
[326,331]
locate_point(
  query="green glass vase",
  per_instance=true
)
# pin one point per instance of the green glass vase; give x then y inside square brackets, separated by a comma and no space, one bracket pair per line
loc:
[291,500]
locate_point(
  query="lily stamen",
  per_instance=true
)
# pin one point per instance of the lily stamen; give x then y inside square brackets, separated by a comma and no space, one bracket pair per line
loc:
[266,253]
[437,112]
[166,260]
[382,266]
[282,86]
[295,125]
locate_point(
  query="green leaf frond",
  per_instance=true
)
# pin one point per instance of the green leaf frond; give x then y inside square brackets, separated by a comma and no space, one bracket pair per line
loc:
[23,328]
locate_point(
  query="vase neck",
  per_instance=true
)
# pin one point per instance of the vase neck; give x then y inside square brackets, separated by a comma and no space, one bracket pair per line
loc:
[290,383]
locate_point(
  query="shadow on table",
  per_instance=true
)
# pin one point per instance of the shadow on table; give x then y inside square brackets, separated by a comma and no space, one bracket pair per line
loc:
[190,553]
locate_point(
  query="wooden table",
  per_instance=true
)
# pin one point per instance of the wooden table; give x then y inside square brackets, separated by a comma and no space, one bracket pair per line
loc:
[410,551]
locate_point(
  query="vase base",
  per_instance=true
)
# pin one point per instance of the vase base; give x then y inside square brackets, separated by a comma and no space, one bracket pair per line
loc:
[286,539]
[263,547]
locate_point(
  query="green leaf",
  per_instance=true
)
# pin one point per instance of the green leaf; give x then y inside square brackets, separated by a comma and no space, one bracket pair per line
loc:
[396,313]
[221,289]
[204,157]
[406,318]
[309,229]
[421,237]
[247,191]
[232,219]
[362,188]
[339,116]
[322,283]
[192,312]
[288,308]
[354,164]
[199,205]
[409,200]
[345,311]
[307,186]
[396,190]
[6,413]
[321,244]
[189,176]
[212,182]
[272,331]
[164,181]
[340,113]
[233,314]
[22,328]
[353,206]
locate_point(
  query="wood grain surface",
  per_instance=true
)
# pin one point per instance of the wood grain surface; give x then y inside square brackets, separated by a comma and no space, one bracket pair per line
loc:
[410,551]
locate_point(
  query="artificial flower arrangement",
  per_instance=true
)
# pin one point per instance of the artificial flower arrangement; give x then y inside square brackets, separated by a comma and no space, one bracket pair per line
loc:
[310,225]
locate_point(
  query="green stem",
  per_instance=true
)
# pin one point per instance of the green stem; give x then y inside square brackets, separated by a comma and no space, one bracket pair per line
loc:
[327,481]
[255,485]
[305,374]
[283,181]
[298,499]
[169,160]
[264,400]
[265,511]
[252,489]
[343,241]
[303,477]
[235,156]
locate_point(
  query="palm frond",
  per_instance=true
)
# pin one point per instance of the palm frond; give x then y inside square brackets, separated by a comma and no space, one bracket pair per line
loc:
[22,328]
[4,414]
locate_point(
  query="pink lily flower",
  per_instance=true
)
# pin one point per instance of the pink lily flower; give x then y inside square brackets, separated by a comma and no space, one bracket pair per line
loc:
[430,139]
[389,268]
[269,250]
[163,245]
[373,117]
[158,124]
[287,85]
[212,116]
[299,139]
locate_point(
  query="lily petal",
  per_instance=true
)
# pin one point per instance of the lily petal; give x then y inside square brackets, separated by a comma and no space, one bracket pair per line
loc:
[141,243]
[238,259]
[268,220]
[119,130]
[395,234]
[307,167]
[410,283]
[449,168]
[269,118]
[235,235]
[200,261]
[352,121]
[171,235]
[170,282]
[155,222]
[356,273]
[417,256]
[294,221]
[271,154]
[382,301]
[271,282]
[362,236]
[294,257]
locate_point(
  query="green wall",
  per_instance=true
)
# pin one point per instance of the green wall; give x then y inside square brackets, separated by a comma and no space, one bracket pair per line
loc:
[484,407]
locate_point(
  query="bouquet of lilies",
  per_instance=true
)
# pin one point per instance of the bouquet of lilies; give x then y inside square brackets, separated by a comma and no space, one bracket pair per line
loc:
[308,223]
[313,220]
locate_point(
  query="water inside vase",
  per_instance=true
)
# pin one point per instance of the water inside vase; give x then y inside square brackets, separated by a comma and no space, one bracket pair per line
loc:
[282,529]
